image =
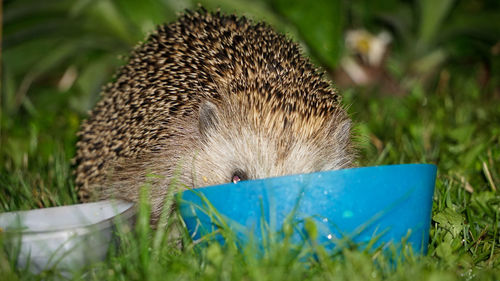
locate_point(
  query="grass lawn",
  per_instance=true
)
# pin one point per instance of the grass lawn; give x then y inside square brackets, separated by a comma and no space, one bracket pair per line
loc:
[452,120]
[454,128]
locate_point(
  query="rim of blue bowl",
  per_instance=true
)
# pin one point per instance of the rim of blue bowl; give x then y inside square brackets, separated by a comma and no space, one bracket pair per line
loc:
[347,170]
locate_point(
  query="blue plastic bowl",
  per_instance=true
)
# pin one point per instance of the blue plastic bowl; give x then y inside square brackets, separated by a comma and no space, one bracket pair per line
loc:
[391,202]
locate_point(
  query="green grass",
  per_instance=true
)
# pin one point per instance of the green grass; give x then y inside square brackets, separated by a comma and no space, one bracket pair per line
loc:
[457,130]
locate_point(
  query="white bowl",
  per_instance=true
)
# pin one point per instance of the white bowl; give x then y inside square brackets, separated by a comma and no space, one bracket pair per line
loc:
[67,238]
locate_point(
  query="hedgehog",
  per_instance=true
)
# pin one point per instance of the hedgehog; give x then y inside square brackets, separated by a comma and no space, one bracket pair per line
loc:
[209,99]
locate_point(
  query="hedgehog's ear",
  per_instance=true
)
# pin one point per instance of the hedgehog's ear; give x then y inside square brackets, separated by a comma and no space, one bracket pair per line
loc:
[208,117]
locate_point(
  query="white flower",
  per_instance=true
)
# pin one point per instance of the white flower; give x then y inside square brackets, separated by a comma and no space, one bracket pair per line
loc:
[371,48]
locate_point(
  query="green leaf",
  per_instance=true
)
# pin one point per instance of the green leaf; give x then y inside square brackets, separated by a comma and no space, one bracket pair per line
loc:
[214,253]
[144,14]
[108,15]
[320,24]
[444,250]
[450,220]
[311,228]
[255,10]
[432,14]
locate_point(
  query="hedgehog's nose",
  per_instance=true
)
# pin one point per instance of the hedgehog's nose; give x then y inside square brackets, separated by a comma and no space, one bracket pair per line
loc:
[236,179]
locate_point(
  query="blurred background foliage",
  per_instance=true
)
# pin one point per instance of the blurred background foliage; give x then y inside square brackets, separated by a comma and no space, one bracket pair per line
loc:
[57,54]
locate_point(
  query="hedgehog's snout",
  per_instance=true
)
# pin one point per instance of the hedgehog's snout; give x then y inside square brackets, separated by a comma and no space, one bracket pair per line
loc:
[238,175]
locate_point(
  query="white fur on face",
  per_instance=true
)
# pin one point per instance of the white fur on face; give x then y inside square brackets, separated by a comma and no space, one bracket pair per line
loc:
[257,154]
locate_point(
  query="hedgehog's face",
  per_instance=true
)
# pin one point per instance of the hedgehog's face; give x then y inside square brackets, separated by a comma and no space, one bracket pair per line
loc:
[231,149]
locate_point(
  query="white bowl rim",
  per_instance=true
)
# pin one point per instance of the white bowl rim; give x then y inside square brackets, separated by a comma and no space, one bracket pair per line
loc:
[82,229]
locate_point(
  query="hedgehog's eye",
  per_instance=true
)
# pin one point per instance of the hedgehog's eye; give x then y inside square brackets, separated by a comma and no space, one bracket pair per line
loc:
[238,175]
